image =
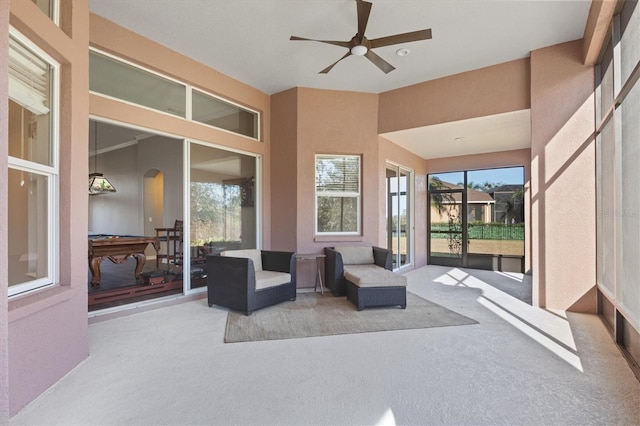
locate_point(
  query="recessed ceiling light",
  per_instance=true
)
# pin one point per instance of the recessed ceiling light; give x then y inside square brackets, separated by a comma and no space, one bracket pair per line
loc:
[459,139]
[402,52]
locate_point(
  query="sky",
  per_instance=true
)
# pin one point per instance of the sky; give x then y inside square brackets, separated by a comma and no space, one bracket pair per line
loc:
[510,175]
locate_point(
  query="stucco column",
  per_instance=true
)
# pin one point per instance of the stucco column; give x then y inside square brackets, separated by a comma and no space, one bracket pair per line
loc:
[4,151]
[563,179]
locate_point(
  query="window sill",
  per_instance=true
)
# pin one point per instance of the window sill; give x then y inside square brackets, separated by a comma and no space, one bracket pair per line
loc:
[338,239]
[36,301]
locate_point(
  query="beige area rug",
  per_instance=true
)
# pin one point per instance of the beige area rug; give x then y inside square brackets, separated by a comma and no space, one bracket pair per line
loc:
[312,315]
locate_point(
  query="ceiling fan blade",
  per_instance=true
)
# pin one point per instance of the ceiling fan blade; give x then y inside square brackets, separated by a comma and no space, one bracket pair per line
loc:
[327,69]
[401,38]
[385,66]
[346,44]
[364,9]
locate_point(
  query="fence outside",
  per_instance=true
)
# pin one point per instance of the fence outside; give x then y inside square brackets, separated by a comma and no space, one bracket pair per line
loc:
[482,231]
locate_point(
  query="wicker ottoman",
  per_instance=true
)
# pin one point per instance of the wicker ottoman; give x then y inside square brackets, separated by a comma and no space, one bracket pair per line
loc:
[374,286]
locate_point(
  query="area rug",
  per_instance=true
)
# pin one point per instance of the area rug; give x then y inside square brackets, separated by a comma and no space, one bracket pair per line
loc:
[312,315]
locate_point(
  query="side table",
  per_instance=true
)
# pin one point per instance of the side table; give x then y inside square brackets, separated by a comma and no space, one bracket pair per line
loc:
[317,257]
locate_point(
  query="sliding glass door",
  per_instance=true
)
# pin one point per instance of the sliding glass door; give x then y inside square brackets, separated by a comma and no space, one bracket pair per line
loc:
[399,218]
[476,219]
[222,205]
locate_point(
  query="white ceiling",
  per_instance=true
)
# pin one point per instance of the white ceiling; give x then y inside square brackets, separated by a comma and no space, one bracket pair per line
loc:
[249,40]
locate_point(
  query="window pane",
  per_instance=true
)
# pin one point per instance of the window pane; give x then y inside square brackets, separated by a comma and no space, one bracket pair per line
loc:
[129,83]
[404,218]
[223,214]
[217,113]
[337,214]
[47,6]
[28,227]
[606,85]
[338,174]
[607,182]
[628,218]
[630,34]
[29,105]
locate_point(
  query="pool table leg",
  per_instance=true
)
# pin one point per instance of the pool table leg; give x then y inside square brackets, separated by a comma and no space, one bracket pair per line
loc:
[140,260]
[94,266]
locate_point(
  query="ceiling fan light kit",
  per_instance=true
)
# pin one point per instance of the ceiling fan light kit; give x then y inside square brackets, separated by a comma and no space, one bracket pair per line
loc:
[359,45]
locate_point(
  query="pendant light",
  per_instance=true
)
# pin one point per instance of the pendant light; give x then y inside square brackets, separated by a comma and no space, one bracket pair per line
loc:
[98,184]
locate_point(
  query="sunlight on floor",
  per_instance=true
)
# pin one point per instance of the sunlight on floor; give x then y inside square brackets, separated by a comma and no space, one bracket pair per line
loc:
[387,419]
[549,329]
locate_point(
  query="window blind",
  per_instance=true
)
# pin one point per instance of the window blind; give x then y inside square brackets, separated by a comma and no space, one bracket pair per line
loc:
[338,174]
[28,79]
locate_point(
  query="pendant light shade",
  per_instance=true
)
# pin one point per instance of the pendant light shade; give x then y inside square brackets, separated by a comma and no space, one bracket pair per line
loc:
[98,184]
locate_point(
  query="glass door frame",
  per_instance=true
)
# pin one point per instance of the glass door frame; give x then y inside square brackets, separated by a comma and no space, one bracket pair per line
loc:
[409,209]
[186,269]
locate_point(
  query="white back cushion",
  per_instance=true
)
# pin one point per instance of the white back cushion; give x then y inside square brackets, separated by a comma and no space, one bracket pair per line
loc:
[252,254]
[356,255]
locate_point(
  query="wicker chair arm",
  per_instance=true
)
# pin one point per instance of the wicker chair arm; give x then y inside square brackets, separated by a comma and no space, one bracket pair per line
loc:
[334,268]
[383,257]
[233,274]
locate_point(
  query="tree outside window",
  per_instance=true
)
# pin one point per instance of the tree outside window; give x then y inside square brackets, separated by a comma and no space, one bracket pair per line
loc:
[337,194]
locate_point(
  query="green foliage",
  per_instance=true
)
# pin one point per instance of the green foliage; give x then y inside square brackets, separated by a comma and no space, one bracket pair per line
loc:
[483,231]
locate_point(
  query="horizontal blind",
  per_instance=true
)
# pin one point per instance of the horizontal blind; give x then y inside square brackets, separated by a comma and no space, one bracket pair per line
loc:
[338,174]
[29,79]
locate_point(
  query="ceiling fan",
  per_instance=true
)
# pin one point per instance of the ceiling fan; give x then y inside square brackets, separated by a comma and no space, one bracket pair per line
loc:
[360,45]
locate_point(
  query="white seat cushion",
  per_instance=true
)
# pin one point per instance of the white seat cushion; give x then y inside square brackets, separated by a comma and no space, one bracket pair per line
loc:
[265,279]
[373,276]
[356,255]
[252,254]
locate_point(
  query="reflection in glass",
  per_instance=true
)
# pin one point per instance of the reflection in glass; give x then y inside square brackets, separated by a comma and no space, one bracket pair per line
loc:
[218,113]
[398,214]
[123,81]
[223,214]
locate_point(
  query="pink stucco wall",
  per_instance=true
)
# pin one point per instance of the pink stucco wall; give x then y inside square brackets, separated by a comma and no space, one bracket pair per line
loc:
[47,333]
[478,93]
[563,178]
[4,112]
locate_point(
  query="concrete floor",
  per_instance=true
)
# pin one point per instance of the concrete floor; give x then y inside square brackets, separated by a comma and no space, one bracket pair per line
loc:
[520,365]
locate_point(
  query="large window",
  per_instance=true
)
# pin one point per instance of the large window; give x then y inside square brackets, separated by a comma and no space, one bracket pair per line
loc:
[113,77]
[33,167]
[222,200]
[618,172]
[338,194]
[476,219]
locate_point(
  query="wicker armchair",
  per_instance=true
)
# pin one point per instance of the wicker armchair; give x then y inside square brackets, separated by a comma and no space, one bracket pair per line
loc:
[334,267]
[248,280]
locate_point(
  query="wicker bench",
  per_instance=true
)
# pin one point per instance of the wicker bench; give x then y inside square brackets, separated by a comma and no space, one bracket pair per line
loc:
[364,275]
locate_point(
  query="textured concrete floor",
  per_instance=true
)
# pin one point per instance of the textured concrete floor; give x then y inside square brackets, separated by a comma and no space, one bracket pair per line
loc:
[519,365]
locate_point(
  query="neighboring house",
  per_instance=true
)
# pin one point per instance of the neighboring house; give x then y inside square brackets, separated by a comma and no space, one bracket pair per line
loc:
[509,204]
[479,204]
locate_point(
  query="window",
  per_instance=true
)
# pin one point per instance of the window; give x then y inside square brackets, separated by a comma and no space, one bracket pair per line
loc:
[337,194]
[123,81]
[33,167]
[617,174]
[49,7]
[215,112]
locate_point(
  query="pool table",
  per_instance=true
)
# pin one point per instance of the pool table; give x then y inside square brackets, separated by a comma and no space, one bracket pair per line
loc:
[117,248]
